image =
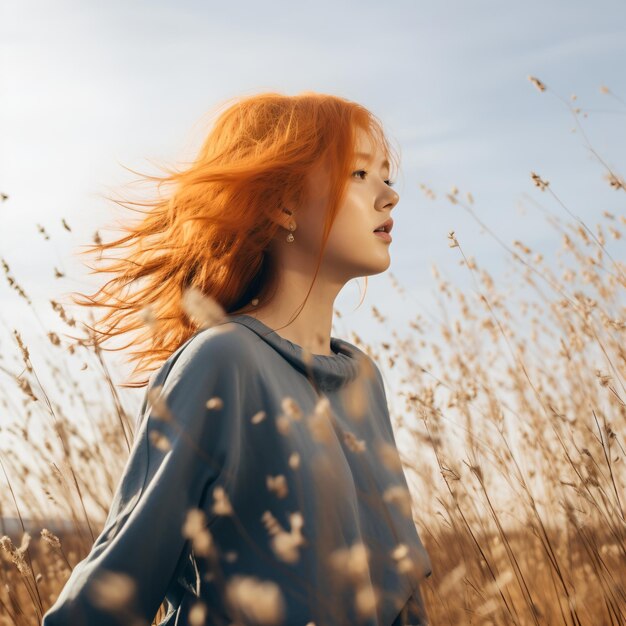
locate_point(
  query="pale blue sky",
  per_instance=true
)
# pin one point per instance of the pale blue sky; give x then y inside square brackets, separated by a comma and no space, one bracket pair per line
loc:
[88,87]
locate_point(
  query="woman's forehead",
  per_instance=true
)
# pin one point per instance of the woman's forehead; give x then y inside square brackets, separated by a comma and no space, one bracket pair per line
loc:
[369,147]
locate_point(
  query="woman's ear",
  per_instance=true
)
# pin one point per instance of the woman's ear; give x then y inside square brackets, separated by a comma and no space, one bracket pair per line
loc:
[289,208]
[287,218]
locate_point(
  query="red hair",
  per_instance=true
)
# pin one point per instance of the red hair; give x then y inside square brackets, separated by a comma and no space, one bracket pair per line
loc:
[212,231]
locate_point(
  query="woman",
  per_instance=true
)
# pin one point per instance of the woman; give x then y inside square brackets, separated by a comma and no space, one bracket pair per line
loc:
[264,484]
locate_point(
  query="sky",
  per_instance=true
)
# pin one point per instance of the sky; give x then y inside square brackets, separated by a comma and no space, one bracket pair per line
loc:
[90,88]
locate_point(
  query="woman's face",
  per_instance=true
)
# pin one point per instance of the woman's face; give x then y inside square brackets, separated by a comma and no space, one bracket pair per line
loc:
[352,249]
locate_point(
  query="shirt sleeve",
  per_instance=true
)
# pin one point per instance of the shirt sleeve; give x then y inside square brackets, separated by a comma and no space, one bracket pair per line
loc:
[180,448]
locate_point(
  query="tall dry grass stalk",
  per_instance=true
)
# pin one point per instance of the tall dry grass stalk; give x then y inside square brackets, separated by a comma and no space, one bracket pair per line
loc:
[523,515]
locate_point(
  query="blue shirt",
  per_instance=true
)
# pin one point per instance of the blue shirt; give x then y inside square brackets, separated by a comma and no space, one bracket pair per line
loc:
[264,486]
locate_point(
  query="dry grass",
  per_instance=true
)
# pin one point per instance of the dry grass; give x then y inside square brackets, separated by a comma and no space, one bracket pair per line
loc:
[523,515]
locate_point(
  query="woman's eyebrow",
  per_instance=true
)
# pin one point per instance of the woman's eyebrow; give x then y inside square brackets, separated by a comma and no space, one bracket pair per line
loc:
[368,156]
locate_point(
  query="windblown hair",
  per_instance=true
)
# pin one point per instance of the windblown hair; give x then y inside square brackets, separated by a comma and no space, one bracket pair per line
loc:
[210,234]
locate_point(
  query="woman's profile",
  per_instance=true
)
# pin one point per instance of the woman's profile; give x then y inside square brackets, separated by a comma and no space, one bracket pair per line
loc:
[264,485]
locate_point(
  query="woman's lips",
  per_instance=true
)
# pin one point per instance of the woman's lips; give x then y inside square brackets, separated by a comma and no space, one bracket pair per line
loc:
[383,235]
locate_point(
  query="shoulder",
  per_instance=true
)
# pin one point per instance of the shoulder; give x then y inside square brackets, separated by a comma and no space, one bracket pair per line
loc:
[225,341]
[217,349]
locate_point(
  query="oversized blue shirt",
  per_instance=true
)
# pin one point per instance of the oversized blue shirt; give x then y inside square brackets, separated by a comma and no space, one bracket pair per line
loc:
[263,486]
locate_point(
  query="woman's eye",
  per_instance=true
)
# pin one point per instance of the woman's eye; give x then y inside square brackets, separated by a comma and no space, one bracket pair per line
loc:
[391,183]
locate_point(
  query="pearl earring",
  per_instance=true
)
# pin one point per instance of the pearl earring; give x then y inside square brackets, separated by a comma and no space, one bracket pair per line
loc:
[290,236]
[291,226]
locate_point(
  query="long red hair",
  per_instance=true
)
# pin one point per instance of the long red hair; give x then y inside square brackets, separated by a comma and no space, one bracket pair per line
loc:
[209,235]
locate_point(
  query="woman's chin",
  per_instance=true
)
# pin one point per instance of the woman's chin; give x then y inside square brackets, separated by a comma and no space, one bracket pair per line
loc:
[377,268]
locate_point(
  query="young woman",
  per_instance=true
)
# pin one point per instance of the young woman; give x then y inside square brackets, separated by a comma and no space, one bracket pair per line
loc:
[264,484]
